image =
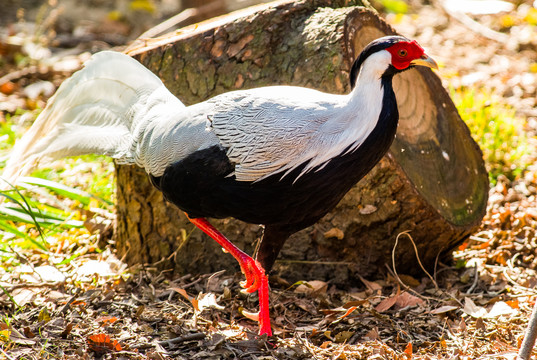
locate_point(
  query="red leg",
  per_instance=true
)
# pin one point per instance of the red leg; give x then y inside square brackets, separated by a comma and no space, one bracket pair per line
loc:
[254,272]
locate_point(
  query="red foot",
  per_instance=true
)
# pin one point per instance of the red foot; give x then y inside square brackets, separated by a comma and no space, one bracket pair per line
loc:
[253,271]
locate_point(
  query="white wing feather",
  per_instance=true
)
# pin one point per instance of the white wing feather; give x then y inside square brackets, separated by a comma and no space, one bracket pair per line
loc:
[87,114]
[276,129]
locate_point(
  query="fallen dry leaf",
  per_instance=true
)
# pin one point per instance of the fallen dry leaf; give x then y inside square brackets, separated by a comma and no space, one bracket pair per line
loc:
[372,334]
[16,337]
[498,309]
[409,280]
[444,309]
[406,299]
[472,309]
[334,233]
[348,312]
[314,287]
[408,350]
[101,344]
[207,301]
[66,331]
[106,320]
[7,88]
[4,335]
[368,209]
[183,292]
[513,303]
[371,285]
[343,336]
[386,304]
[501,308]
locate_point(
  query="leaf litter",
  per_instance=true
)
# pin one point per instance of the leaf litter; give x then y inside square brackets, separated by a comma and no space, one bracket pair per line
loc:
[56,306]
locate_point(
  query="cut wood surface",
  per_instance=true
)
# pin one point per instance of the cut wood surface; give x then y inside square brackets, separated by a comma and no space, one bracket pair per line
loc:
[433,183]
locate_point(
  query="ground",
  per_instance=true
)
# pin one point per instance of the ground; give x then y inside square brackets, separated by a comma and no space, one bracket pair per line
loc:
[75,300]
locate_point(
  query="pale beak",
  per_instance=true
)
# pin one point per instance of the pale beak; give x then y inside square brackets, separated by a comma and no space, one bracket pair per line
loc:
[426,61]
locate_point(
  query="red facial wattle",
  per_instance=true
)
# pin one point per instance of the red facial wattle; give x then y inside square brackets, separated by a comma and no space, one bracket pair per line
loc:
[404,52]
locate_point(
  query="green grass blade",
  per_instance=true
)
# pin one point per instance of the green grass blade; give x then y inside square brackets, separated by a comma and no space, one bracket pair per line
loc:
[44,212]
[60,189]
[22,207]
[5,226]
[30,218]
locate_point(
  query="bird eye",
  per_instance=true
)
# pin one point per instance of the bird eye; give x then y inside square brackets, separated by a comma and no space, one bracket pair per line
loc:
[402,53]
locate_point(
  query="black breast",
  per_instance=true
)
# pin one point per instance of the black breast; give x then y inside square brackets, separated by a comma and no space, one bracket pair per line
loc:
[201,186]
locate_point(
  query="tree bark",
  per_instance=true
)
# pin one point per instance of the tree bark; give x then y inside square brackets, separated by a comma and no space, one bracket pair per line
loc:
[433,183]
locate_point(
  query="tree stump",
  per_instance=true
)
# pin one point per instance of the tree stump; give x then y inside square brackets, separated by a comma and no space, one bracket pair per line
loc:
[433,183]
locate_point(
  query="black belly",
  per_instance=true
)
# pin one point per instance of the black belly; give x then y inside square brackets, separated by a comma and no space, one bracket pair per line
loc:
[201,186]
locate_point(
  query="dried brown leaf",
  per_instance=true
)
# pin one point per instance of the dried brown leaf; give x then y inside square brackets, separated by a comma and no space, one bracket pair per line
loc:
[343,336]
[313,287]
[409,280]
[207,301]
[355,303]
[443,309]
[405,299]
[348,312]
[106,320]
[66,331]
[372,334]
[101,344]
[472,309]
[371,285]
[408,350]
[183,292]
[386,304]
[334,233]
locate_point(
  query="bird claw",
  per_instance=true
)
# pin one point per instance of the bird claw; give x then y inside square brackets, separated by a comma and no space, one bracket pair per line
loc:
[251,315]
[256,280]
[254,274]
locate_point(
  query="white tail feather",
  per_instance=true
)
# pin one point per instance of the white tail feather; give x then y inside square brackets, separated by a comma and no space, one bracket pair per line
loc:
[90,113]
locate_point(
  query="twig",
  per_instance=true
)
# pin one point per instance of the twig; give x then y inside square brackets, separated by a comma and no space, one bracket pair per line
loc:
[314,262]
[34,285]
[529,338]
[476,277]
[173,255]
[6,355]
[216,274]
[513,282]
[167,24]
[421,266]
[15,75]
[473,25]
[417,258]
[478,239]
[193,282]
[306,344]
[64,309]
[180,339]
[176,20]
